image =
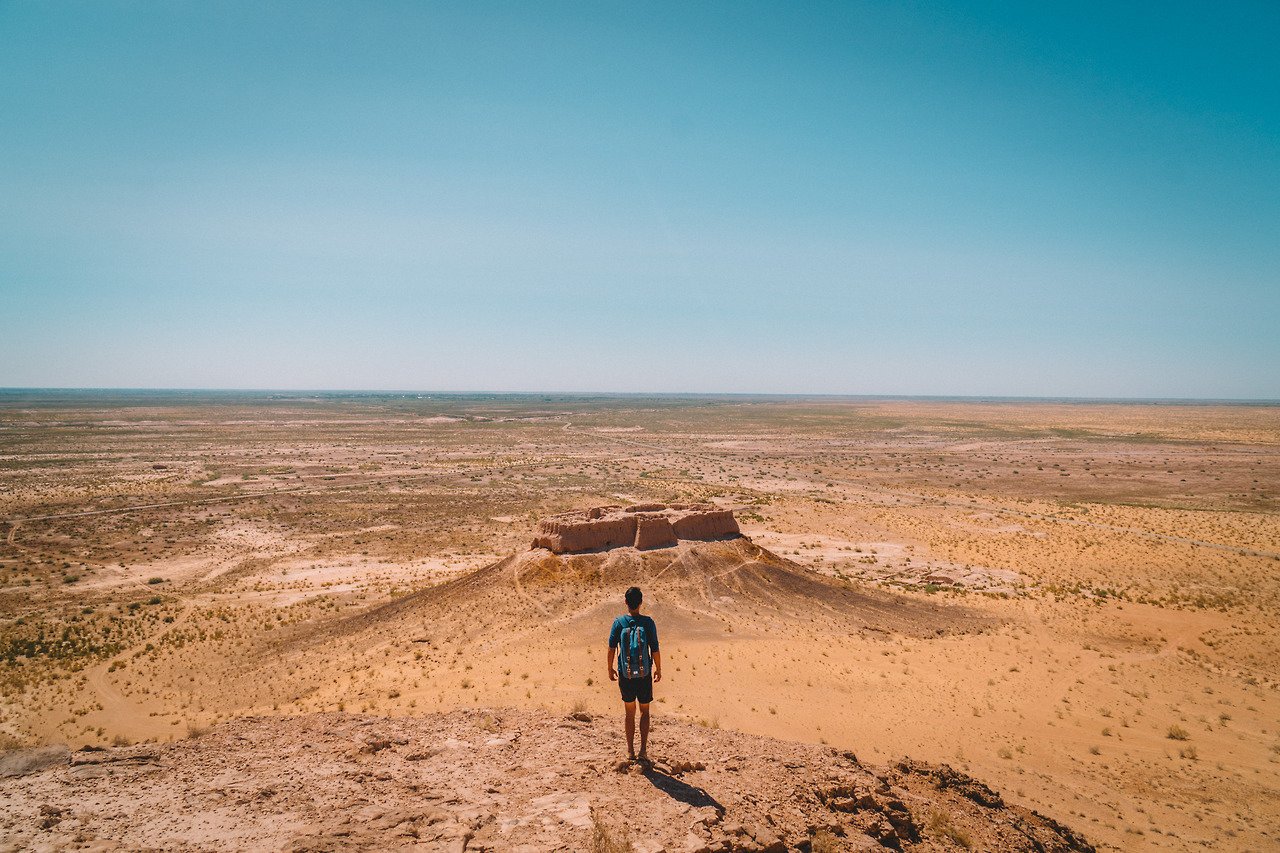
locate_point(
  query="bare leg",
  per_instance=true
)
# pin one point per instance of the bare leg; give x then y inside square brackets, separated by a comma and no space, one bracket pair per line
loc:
[631,728]
[644,732]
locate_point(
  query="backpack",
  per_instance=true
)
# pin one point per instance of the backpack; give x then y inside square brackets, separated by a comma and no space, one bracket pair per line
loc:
[634,660]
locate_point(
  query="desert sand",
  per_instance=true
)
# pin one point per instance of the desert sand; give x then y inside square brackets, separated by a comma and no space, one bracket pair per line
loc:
[1074,603]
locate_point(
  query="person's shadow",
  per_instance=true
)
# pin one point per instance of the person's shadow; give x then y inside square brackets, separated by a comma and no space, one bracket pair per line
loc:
[682,791]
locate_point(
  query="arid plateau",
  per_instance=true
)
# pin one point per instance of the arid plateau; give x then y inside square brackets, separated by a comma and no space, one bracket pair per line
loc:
[377,621]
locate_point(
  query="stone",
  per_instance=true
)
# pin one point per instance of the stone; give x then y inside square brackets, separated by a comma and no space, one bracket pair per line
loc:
[374,744]
[766,839]
[882,831]
[50,815]
[696,844]
[578,814]
[21,762]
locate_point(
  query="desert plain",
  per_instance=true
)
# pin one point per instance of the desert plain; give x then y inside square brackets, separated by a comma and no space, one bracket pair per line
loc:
[1076,602]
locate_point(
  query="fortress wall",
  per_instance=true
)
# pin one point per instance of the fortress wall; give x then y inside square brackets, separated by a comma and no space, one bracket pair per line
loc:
[642,525]
[654,531]
[563,536]
[714,524]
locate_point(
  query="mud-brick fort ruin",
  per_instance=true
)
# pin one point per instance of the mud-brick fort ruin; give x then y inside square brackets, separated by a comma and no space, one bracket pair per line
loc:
[641,526]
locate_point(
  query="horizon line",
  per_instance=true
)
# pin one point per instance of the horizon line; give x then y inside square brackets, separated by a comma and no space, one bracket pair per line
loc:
[695,394]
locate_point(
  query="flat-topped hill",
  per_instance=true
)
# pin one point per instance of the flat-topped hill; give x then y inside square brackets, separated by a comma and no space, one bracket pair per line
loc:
[712,584]
[641,526]
[498,780]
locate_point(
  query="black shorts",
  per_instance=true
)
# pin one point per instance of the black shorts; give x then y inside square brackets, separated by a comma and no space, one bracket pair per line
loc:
[636,688]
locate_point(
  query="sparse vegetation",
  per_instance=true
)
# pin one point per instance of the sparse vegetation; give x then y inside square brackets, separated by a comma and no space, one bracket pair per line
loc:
[824,842]
[605,840]
[84,637]
[940,824]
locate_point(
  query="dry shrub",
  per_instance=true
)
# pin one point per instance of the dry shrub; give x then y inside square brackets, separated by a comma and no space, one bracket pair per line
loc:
[824,842]
[939,823]
[604,841]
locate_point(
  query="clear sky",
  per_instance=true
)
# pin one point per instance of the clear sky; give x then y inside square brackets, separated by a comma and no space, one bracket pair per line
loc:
[901,198]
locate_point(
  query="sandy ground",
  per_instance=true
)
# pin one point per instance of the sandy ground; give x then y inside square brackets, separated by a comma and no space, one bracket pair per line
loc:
[1107,575]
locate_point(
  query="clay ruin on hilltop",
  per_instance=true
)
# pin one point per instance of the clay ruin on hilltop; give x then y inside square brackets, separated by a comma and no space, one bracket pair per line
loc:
[641,526]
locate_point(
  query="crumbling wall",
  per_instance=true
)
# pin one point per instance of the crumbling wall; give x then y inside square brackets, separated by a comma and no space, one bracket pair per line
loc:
[654,531]
[712,524]
[587,535]
[641,526]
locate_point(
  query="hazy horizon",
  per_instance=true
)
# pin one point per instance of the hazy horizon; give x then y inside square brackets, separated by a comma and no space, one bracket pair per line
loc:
[952,200]
[694,395]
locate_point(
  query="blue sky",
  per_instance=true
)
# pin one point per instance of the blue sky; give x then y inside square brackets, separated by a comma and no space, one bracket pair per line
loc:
[1013,199]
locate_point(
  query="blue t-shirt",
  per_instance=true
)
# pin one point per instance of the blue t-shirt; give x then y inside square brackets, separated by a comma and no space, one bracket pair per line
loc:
[625,621]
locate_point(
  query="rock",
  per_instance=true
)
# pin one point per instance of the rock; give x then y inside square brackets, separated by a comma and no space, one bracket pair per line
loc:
[903,824]
[707,816]
[50,816]
[695,844]
[528,796]
[21,762]
[579,814]
[948,778]
[423,755]
[882,831]
[375,744]
[766,840]
[115,756]
[862,843]
[676,768]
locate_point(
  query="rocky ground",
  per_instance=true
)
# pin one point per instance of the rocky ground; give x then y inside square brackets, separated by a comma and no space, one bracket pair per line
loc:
[495,780]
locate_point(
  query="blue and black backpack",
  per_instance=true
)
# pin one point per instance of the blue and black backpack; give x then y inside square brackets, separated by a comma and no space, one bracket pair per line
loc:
[634,660]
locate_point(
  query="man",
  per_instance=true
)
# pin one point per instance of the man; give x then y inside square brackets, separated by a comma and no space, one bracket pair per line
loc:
[633,648]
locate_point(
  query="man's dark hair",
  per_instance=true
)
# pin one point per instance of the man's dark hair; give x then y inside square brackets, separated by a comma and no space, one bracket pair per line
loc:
[634,597]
